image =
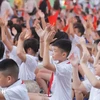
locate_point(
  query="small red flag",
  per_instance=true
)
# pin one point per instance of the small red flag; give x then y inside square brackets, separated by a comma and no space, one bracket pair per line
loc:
[65,28]
[53,18]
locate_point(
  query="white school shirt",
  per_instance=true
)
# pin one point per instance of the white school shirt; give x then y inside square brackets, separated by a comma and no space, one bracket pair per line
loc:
[94,92]
[13,55]
[5,6]
[17,91]
[62,82]
[27,68]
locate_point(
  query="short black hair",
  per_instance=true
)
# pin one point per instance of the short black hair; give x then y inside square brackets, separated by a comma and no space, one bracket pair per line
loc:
[31,43]
[61,35]
[64,44]
[17,27]
[78,19]
[9,68]
[80,28]
[34,33]
[2,49]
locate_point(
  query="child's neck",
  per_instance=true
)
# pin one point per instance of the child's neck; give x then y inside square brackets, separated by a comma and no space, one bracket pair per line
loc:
[63,60]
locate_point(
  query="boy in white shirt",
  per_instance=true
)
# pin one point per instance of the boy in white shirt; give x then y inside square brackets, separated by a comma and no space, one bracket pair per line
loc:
[26,51]
[11,87]
[62,70]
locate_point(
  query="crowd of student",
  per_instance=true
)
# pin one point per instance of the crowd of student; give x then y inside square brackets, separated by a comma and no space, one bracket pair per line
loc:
[58,47]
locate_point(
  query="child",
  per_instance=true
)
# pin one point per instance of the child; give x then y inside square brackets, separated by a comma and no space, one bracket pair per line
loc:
[12,87]
[62,70]
[93,83]
[26,51]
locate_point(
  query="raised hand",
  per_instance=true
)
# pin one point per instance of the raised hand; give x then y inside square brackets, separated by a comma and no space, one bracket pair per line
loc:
[2,22]
[85,57]
[23,34]
[50,36]
[74,60]
[41,14]
[82,40]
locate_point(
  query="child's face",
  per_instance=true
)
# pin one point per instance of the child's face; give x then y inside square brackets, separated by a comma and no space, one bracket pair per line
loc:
[58,53]
[3,80]
[97,68]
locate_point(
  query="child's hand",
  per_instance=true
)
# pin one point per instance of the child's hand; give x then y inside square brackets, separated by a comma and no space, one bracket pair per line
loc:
[2,23]
[82,40]
[85,58]
[50,36]
[41,14]
[22,35]
[74,60]
[40,32]
[99,46]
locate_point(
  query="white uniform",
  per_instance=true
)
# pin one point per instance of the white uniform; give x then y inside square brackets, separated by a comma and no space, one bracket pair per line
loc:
[62,82]
[13,55]
[17,91]
[94,92]
[27,68]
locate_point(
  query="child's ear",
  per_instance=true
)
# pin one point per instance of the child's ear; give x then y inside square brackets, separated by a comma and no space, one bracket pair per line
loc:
[9,78]
[64,54]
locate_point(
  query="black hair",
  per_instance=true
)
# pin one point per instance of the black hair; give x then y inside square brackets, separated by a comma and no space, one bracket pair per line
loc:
[16,37]
[17,27]
[9,67]
[10,23]
[2,49]
[80,28]
[64,44]
[61,35]
[43,6]
[57,5]
[34,33]
[78,19]
[31,43]
[97,41]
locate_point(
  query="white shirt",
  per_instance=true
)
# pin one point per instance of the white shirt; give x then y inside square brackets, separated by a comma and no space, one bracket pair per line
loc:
[94,92]
[62,82]
[17,91]
[5,6]
[13,55]
[27,68]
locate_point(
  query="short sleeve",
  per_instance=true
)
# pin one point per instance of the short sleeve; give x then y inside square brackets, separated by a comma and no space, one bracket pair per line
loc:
[31,62]
[13,55]
[15,94]
[87,85]
[63,69]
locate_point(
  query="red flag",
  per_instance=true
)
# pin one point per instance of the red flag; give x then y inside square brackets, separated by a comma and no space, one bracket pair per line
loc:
[85,18]
[65,28]
[95,23]
[77,9]
[50,84]
[53,18]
